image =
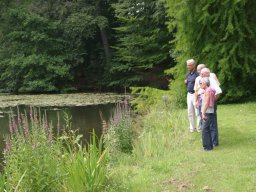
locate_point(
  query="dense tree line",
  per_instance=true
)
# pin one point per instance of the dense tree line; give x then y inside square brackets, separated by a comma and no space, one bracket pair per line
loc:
[64,45]
[221,34]
[68,45]
[142,48]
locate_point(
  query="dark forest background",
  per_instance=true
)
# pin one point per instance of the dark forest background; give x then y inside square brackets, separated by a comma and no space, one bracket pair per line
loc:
[52,46]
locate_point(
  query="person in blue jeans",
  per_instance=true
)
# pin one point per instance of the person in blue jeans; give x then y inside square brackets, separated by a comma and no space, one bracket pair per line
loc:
[208,103]
[214,85]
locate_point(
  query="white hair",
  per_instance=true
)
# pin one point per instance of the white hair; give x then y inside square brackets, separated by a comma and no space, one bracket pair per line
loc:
[192,61]
[205,80]
[205,72]
[201,66]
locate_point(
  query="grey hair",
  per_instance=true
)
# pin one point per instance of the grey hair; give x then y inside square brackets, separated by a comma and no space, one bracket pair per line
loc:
[201,66]
[205,80]
[206,70]
[192,61]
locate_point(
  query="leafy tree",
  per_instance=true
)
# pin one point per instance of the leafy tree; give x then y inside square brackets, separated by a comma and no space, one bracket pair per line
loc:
[31,51]
[142,42]
[220,34]
[48,44]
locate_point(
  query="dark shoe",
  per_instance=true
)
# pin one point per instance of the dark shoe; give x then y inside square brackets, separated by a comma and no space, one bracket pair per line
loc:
[207,150]
[215,145]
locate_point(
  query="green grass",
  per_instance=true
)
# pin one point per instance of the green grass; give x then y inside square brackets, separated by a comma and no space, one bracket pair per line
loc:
[167,157]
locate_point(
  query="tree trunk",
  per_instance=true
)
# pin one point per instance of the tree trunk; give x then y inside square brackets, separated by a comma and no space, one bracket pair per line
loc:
[103,34]
[105,43]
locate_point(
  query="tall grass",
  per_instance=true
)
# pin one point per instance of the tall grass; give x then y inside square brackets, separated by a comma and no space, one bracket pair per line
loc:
[162,130]
[33,155]
[35,160]
[120,132]
[2,182]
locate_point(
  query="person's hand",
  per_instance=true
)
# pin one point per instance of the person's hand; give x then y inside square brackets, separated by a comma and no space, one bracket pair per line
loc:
[196,104]
[204,116]
[185,81]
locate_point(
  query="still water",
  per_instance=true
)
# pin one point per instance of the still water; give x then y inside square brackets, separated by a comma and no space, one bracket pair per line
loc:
[84,118]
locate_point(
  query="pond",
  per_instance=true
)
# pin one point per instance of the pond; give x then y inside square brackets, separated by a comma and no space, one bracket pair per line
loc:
[83,108]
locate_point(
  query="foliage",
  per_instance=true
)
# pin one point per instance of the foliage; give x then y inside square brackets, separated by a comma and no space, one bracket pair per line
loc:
[147,97]
[120,134]
[47,45]
[86,168]
[220,34]
[36,161]
[33,158]
[32,53]
[142,43]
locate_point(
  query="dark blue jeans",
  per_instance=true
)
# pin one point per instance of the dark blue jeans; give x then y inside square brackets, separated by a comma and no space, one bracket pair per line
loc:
[214,131]
[207,130]
[200,114]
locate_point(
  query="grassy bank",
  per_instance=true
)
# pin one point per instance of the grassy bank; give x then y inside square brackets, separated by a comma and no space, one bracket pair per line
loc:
[167,157]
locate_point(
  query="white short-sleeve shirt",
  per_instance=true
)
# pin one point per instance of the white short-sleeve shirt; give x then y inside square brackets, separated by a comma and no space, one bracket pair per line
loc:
[213,84]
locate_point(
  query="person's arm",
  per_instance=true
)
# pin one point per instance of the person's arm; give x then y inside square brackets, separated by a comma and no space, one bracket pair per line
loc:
[216,87]
[206,105]
[186,80]
[195,99]
[196,88]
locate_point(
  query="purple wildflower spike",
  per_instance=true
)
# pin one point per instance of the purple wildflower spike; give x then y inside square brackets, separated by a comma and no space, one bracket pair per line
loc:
[7,146]
[10,125]
[19,118]
[45,121]
[58,123]
[26,127]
